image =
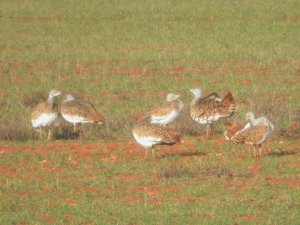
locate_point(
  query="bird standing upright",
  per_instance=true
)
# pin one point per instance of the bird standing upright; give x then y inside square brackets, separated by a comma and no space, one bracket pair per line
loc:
[165,112]
[46,115]
[78,112]
[149,135]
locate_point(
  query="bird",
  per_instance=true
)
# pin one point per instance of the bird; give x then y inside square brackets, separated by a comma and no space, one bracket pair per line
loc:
[46,115]
[164,113]
[78,112]
[253,132]
[149,135]
[210,108]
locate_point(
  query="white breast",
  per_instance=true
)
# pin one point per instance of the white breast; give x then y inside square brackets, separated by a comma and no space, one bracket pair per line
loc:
[75,119]
[206,120]
[45,119]
[146,142]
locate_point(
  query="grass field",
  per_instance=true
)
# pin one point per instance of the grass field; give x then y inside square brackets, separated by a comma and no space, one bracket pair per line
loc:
[124,56]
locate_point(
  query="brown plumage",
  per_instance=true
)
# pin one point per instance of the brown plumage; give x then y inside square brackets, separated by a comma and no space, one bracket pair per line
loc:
[254,135]
[148,135]
[254,132]
[78,112]
[232,129]
[206,110]
[46,115]
[165,112]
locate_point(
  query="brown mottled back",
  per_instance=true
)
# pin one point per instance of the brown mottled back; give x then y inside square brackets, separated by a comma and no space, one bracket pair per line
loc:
[168,136]
[160,110]
[81,109]
[232,129]
[254,135]
[211,105]
[43,107]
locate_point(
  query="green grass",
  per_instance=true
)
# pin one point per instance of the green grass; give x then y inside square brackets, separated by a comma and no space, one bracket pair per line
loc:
[124,56]
[60,183]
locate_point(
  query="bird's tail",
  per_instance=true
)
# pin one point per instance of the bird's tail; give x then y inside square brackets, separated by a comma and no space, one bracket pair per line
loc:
[228,102]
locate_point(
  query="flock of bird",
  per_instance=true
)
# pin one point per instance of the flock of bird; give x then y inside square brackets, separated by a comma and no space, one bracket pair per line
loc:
[150,129]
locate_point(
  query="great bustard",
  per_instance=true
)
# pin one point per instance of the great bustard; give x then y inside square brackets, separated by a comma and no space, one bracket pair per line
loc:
[253,132]
[46,115]
[148,135]
[165,112]
[78,112]
[210,108]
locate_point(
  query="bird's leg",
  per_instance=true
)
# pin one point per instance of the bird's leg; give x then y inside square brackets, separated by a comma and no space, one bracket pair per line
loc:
[49,134]
[254,151]
[260,150]
[208,129]
[74,127]
[146,153]
[41,133]
[152,149]
[80,131]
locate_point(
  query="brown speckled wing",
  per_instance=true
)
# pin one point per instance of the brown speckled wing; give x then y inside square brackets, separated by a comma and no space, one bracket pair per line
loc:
[43,107]
[81,109]
[252,136]
[153,130]
[163,108]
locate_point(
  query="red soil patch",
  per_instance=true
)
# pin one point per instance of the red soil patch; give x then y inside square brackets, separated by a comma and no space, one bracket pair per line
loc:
[112,159]
[132,147]
[249,217]
[49,219]
[91,189]
[296,18]
[178,70]
[134,200]
[129,177]
[186,198]
[87,189]
[8,171]
[293,182]
[9,149]
[241,185]
[274,180]
[135,71]
[54,170]
[174,188]
[245,81]
[85,152]
[72,202]
[112,218]
[111,147]
[220,142]
[255,168]
[69,216]
[27,194]
[157,201]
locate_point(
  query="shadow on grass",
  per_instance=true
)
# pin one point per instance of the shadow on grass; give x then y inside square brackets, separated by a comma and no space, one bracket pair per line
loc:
[282,153]
[183,154]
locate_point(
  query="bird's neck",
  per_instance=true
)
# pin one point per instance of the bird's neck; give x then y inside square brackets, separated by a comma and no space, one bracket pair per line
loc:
[257,121]
[50,101]
[196,98]
[180,104]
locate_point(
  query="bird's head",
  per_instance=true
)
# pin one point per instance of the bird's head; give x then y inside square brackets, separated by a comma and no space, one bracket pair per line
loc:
[196,92]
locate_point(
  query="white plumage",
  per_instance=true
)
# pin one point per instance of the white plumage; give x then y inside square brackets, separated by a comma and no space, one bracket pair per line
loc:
[146,142]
